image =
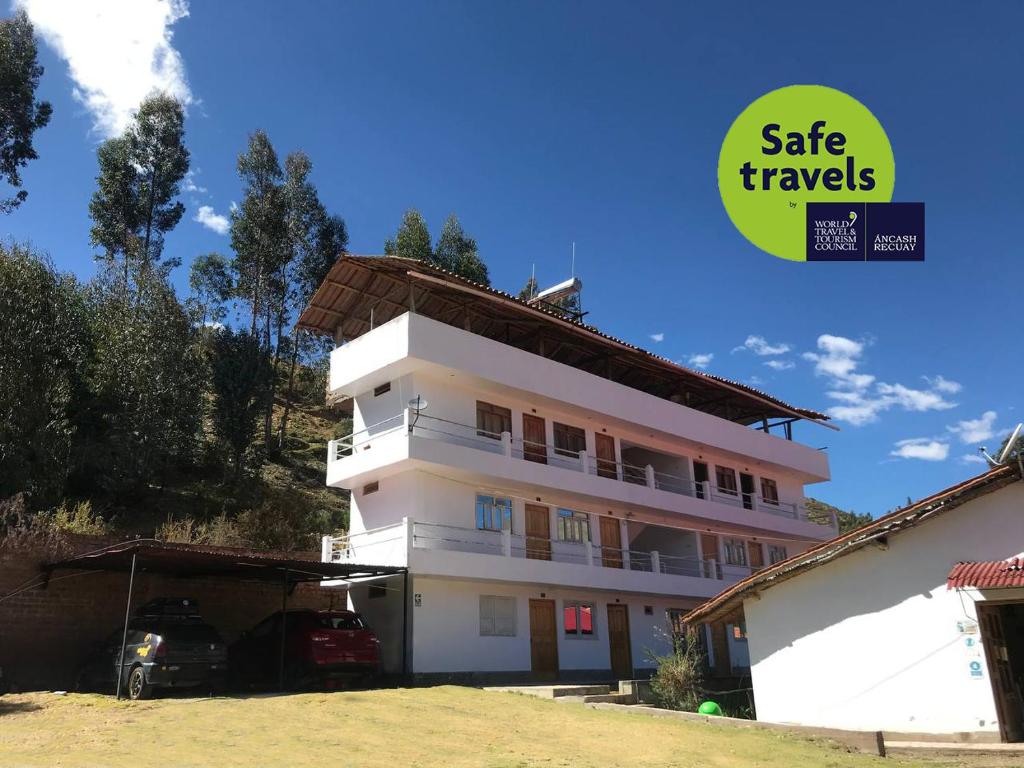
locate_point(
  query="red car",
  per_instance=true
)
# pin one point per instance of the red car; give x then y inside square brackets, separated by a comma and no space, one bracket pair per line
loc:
[318,646]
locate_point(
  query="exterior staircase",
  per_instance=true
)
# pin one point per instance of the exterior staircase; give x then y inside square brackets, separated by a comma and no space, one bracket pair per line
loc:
[626,693]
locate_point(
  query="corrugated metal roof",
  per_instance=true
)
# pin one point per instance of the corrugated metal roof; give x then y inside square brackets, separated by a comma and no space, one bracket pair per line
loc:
[335,304]
[998,574]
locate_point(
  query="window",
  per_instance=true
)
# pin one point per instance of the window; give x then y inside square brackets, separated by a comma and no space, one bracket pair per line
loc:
[371,488]
[769,491]
[573,526]
[492,420]
[578,619]
[776,553]
[735,552]
[383,389]
[493,513]
[569,441]
[497,616]
[726,479]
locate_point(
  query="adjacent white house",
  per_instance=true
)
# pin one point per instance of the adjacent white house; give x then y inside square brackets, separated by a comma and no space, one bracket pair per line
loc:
[912,625]
[560,498]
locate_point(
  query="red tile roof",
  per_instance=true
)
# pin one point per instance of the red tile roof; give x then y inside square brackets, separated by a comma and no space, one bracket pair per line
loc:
[888,525]
[994,575]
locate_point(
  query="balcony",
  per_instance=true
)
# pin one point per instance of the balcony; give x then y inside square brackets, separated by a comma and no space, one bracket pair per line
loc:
[351,458]
[445,550]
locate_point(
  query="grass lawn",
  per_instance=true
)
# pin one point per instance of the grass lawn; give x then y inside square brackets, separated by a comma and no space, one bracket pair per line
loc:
[445,726]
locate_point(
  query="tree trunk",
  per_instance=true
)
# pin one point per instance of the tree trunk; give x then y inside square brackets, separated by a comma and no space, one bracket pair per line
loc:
[282,429]
[149,212]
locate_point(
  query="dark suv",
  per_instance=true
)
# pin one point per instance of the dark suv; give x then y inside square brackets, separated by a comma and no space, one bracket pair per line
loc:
[169,646]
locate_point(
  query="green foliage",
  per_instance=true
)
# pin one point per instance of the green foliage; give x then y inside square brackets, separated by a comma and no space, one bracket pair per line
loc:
[221,531]
[457,252]
[239,373]
[20,114]
[678,682]
[820,512]
[147,386]
[210,280]
[412,241]
[45,349]
[284,519]
[78,518]
[140,175]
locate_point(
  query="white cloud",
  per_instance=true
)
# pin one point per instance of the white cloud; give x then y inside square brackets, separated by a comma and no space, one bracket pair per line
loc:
[942,384]
[212,220]
[924,448]
[973,458]
[700,360]
[861,398]
[189,184]
[975,430]
[780,365]
[657,337]
[117,52]
[760,346]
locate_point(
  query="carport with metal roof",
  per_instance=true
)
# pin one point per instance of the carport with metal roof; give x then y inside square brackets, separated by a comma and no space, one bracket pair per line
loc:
[200,561]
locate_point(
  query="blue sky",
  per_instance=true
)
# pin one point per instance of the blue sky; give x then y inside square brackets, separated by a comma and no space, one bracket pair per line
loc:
[541,124]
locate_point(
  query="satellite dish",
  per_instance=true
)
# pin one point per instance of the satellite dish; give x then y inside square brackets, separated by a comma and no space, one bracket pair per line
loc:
[418,403]
[1010,444]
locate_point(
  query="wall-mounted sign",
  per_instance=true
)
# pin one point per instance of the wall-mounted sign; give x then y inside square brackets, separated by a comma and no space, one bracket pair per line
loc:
[417,599]
[975,667]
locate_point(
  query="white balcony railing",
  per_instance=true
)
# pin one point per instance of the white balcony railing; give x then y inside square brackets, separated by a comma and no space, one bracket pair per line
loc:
[390,545]
[431,427]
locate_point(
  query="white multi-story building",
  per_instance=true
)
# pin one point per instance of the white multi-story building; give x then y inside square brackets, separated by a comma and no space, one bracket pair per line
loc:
[559,497]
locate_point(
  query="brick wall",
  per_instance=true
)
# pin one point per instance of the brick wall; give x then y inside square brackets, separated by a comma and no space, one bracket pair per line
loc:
[45,632]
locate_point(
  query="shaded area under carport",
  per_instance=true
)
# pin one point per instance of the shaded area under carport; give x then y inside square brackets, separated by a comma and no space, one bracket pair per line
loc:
[201,561]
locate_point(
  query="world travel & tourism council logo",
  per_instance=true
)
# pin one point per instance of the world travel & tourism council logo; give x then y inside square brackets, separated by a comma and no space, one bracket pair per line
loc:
[807,173]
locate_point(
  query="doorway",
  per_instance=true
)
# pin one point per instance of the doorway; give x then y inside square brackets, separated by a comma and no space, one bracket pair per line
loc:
[543,640]
[534,439]
[538,532]
[700,476]
[606,465]
[747,489]
[712,562]
[1002,634]
[618,641]
[611,543]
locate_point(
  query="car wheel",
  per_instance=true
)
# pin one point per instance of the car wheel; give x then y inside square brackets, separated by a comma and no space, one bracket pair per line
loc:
[138,688]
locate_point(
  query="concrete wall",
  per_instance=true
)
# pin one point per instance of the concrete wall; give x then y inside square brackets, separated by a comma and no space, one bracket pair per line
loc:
[871,640]
[415,343]
[446,628]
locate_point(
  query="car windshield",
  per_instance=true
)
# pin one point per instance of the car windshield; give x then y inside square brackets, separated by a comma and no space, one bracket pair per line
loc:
[342,621]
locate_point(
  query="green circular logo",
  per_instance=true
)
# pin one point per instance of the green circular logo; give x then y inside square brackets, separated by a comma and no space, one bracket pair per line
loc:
[797,145]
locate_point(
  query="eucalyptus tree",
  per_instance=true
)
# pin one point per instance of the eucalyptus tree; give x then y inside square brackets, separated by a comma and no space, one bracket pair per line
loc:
[412,240]
[20,114]
[140,172]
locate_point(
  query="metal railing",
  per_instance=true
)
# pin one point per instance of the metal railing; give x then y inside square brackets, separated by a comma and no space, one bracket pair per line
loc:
[502,443]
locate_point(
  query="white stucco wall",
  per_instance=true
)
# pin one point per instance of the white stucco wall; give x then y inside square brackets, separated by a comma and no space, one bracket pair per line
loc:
[870,641]
[446,627]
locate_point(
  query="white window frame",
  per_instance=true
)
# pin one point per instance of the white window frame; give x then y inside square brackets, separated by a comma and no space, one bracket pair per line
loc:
[775,489]
[736,545]
[574,523]
[489,617]
[775,549]
[578,634]
[485,522]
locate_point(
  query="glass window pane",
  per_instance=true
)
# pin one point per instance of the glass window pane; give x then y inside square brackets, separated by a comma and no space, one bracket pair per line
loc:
[569,619]
[586,620]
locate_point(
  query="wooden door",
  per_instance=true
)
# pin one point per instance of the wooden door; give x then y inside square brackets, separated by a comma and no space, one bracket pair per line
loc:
[618,641]
[1009,707]
[709,548]
[611,543]
[543,640]
[538,532]
[605,446]
[534,439]
[747,489]
[756,550]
